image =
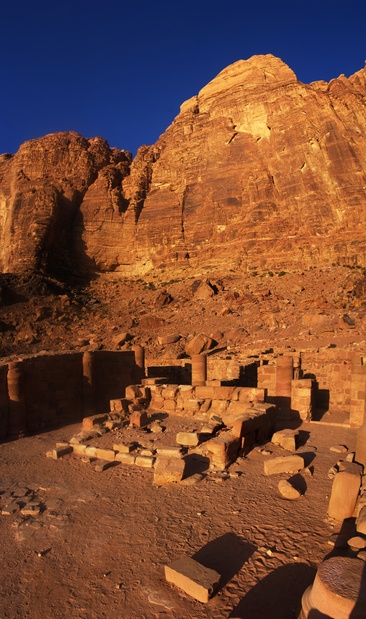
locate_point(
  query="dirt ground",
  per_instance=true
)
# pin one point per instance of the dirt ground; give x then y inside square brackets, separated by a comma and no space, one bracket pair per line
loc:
[98,548]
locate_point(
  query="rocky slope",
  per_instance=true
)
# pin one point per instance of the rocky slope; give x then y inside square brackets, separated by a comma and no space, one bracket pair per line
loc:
[258,172]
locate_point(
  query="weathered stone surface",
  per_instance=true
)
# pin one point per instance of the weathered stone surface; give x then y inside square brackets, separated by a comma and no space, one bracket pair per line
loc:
[345,489]
[188,439]
[168,470]
[288,491]
[361,521]
[286,464]
[199,344]
[223,449]
[212,188]
[285,439]
[192,577]
[93,420]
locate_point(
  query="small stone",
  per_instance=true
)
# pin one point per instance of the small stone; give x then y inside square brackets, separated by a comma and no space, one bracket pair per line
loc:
[103,465]
[156,427]
[288,491]
[357,542]
[350,456]
[31,510]
[332,472]
[339,449]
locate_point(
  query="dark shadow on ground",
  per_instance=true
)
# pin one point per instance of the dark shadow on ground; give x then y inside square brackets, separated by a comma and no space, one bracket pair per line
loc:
[195,463]
[341,548]
[308,457]
[278,595]
[226,554]
[298,482]
[302,438]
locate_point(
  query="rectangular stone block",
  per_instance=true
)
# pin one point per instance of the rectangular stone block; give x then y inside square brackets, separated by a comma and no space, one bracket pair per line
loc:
[103,465]
[146,462]
[124,448]
[78,449]
[58,452]
[186,392]
[169,406]
[119,405]
[286,464]
[125,458]
[168,470]
[170,451]
[139,419]
[170,392]
[285,439]
[91,451]
[93,420]
[223,449]
[218,407]
[105,454]
[251,394]
[203,392]
[223,393]
[188,439]
[193,578]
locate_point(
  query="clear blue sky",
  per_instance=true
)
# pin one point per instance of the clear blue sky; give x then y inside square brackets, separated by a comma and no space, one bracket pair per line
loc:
[120,69]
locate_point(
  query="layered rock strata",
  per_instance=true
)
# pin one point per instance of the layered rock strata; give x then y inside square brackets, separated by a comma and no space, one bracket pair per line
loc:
[258,172]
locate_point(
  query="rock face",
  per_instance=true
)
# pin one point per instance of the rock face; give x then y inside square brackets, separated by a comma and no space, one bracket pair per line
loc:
[258,171]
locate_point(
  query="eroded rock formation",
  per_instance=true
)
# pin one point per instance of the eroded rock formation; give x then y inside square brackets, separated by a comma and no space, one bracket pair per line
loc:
[258,171]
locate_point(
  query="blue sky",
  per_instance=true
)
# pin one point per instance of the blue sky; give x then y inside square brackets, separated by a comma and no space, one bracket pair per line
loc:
[120,70]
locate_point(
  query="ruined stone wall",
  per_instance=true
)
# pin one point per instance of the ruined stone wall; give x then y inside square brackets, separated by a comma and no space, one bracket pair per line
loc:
[57,389]
[114,371]
[53,389]
[267,379]
[332,369]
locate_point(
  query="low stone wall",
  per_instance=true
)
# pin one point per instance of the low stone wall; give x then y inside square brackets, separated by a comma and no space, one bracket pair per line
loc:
[188,400]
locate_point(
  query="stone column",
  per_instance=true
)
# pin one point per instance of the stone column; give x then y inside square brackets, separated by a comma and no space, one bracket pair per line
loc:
[339,590]
[199,370]
[284,376]
[17,419]
[139,356]
[89,395]
[139,372]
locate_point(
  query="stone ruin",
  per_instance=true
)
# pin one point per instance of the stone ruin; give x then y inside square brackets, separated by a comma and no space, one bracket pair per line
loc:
[230,420]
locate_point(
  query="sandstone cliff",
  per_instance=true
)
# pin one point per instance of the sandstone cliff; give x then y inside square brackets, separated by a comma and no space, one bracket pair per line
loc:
[258,172]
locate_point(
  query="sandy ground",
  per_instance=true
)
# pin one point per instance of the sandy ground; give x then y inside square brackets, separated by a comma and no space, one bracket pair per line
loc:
[98,548]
